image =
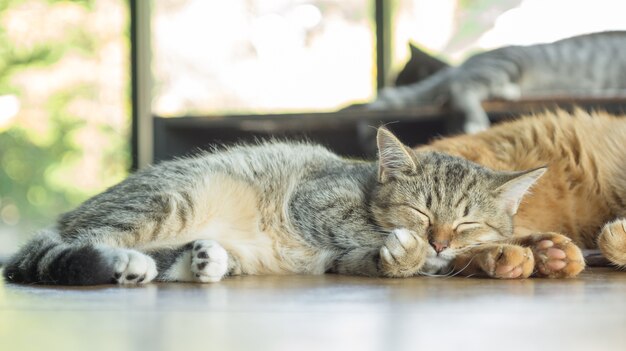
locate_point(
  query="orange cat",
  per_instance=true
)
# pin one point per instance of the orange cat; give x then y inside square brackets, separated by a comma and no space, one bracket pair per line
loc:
[582,195]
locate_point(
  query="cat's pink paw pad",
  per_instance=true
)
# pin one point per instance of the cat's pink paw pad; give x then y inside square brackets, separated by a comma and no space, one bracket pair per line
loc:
[557,257]
[508,272]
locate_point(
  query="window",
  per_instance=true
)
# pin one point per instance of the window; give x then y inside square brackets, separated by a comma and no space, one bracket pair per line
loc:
[286,56]
[64,116]
[261,56]
[455,29]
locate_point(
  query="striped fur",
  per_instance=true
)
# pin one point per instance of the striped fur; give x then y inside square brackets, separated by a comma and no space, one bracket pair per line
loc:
[272,208]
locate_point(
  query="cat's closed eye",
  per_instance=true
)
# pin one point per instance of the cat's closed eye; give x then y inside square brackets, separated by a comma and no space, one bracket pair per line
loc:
[424,218]
[466,226]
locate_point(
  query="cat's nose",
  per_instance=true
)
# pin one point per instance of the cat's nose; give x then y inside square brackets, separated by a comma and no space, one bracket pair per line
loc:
[439,245]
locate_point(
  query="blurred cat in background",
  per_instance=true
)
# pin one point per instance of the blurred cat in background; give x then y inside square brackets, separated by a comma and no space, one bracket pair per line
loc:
[419,67]
[592,65]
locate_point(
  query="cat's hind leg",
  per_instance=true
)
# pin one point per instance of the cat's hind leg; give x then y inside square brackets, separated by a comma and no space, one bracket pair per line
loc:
[47,259]
[129,266]
[203,261]
[612,242]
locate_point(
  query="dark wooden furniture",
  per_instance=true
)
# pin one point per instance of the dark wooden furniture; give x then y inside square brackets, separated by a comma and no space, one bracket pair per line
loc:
[348,133]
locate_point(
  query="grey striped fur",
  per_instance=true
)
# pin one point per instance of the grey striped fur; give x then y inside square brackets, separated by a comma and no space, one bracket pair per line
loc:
[586,65]
[271,208]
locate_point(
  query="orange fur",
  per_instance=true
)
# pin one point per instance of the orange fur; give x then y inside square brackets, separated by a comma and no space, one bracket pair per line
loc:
[585,185]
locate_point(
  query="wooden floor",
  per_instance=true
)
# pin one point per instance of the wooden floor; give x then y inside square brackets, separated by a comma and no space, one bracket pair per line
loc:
[322,313]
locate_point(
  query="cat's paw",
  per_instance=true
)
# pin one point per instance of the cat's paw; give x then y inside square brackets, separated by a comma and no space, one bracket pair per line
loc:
[475,127]
[130,266]
[612,242]
[556,256]
[505,261]
[403,254]
[209,261]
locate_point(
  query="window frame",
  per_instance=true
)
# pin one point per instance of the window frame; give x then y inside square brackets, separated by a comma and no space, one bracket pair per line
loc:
[143,120]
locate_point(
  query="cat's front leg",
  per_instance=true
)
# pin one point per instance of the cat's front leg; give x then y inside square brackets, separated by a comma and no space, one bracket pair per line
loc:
[466,97]
[556,256]
[503,261]
[403,254]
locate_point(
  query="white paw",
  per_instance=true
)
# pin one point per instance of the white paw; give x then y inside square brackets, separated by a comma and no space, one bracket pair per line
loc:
[131,267]
[403,253]
[405,237]
[209,261]
[399,243]
[475,127]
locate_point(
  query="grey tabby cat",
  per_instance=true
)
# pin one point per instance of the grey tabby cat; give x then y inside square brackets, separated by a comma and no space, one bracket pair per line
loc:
[277,208]
[586,65]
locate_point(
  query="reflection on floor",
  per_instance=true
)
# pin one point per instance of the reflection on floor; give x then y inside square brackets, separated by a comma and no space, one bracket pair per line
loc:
[322,313]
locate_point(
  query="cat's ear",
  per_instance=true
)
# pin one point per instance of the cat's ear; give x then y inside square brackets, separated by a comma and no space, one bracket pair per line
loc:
[414,50]
[515,186]
[394,158]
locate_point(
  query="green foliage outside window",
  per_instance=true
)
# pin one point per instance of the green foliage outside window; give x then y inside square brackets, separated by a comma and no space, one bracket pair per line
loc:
[64,114]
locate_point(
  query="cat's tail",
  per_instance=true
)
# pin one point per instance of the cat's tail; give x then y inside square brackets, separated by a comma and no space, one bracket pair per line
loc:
[47,259]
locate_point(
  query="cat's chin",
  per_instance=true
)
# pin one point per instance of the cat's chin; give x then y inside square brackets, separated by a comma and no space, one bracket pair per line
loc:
[436,264]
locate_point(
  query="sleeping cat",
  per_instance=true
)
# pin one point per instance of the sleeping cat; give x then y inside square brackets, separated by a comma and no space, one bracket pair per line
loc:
[279,208]
[586,65]
[581,196]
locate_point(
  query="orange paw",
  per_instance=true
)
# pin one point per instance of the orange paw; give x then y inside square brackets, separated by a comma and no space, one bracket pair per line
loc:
[505,261]
[556,256]
[612,242]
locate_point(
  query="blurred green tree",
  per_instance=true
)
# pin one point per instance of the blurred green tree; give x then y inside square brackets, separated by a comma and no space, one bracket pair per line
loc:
[63,106]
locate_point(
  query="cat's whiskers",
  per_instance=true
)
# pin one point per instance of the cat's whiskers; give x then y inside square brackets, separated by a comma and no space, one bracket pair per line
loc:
[467,248]
[451,272]
[462,269]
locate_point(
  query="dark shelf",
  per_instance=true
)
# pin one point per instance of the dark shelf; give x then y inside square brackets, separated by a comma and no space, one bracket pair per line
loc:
[349,133]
